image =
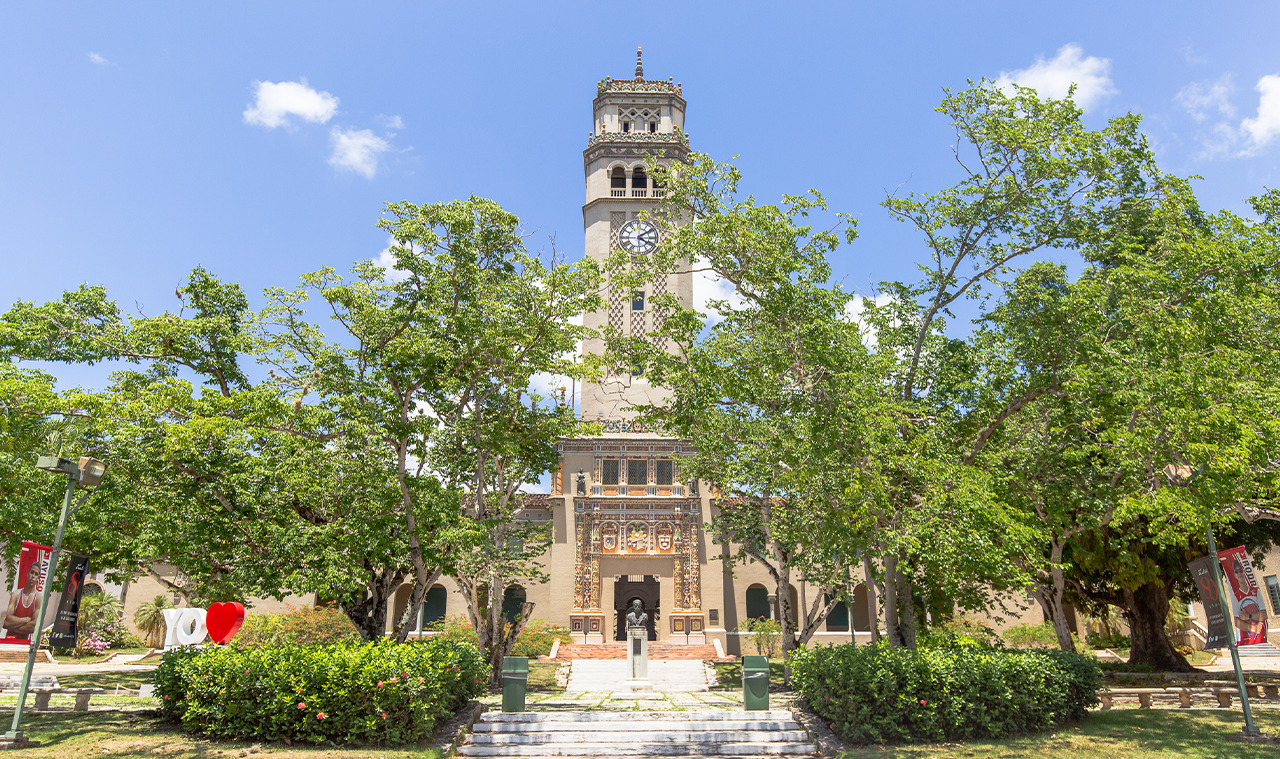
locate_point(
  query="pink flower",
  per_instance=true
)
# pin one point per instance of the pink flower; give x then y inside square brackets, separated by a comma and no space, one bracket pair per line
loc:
[392,680]
[319,715]
[166,698]
[422,679]
[301,705]
[379,683]
[246,671]
[923,702]
[405,675]
[384,715]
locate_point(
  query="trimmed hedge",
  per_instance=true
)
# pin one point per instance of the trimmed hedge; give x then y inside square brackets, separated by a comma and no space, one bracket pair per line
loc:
[303,626]
[878,694]
[345,693]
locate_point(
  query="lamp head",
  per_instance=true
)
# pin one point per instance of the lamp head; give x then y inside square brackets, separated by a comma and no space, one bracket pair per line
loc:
[91,471]
[55,464]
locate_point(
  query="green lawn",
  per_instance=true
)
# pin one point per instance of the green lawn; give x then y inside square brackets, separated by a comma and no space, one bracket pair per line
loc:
[1116,734]
[96,659]
[99,735]
[729,674]
[108,680]
[1197,658]
[542,677]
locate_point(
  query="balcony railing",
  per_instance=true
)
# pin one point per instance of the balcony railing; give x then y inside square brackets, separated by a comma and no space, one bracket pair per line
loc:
[639,193]
[617,193]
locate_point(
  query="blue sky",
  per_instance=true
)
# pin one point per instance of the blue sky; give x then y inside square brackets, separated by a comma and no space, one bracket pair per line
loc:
[261,139]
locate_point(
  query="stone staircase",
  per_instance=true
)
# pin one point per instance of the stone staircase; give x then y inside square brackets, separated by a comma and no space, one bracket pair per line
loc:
[657,652]
[597,733]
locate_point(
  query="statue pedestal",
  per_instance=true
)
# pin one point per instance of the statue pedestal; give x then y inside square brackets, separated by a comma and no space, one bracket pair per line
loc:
[638,660]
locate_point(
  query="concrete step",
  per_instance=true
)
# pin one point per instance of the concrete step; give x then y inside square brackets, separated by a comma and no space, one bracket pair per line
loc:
[650,736]
[636,726]
[744,749]
[657,733]
[705,715]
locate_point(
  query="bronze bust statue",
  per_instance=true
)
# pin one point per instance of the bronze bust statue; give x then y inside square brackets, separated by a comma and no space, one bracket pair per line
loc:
[636,616]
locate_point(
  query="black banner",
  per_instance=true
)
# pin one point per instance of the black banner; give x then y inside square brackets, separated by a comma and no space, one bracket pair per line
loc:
[1205,575]
[64,630]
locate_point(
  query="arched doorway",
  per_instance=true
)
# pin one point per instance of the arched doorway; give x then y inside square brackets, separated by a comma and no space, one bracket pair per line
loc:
[629,588]
[512,603]
[758,602]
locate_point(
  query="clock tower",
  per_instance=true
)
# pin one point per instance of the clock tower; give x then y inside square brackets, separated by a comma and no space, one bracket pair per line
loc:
[631,120]
[629,519]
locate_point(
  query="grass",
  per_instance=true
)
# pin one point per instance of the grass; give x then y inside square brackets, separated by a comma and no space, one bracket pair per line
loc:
[729,674]
[95,659]
[542,677]
[117,734]
[1197,658]
[108,680]
[1115,734]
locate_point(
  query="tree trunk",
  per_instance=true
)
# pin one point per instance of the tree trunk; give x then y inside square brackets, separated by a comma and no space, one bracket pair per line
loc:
[1050,599]
[892,628]
[369,614]
[873,616]
[906,610]
[1146,609]
[421,585]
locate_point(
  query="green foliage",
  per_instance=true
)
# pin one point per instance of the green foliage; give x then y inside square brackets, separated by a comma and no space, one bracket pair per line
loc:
[534,639]
[1107,640]
[1030,636]
[454,627]
[537,636]
[879,694]
[765,635]
[348,693]
[149,618]
[302,626]
[959,631]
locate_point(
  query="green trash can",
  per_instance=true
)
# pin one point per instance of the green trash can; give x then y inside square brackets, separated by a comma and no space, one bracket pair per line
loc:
[515,679]
[755,683]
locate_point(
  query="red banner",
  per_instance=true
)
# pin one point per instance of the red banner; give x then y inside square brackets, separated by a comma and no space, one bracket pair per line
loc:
[22,613]
[1246,596]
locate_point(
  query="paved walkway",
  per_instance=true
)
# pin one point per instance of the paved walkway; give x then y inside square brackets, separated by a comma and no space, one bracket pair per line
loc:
[607,675]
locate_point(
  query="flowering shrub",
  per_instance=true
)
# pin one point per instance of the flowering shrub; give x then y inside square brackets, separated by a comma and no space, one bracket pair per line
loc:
[878,694]
[303,626]
[346,692]
[534,640]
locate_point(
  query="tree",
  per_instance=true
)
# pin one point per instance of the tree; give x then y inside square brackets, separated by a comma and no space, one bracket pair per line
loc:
[1034,179]
[149,617]
[753,388]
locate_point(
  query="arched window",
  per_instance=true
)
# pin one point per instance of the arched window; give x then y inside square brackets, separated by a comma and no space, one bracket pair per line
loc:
[512,601]
[618,178]
[838,619]
[638,180]
[433,606]
[757,602]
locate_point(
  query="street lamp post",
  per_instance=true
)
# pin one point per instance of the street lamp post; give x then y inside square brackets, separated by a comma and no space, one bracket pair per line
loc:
[86,474]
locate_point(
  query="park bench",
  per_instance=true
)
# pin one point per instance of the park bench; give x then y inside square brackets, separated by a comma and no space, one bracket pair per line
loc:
[44,686]
[1185,696]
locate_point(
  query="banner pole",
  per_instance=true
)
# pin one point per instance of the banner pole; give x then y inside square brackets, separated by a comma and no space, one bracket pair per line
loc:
[15,730]
[1249,728]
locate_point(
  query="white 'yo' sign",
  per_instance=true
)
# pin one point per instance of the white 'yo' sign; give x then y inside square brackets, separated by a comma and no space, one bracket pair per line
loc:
[184,627]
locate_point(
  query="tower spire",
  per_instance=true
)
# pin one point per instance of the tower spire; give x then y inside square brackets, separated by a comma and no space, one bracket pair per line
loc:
[639,67]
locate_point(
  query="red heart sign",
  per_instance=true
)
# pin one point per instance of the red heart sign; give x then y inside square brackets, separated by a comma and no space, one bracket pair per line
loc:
[223,621]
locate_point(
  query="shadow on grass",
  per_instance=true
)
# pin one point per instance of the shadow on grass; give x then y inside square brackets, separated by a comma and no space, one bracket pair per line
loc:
[1145,733]
[80,735]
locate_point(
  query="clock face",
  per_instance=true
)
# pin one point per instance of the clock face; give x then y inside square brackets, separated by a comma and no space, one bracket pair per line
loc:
[638,237]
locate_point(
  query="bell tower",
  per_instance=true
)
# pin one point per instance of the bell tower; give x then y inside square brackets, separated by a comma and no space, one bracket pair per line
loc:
[630,520]
[631,120]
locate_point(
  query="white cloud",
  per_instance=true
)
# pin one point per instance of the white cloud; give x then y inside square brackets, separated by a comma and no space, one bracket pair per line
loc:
[276,102]
[98,60]
[357,150]
[1053,79]
[1201,99]
[391,122]
[387,260]
[854,309]
[1266,125]
[707,287]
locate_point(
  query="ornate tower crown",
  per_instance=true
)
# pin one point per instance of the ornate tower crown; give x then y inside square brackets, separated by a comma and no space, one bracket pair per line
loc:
[633,120]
